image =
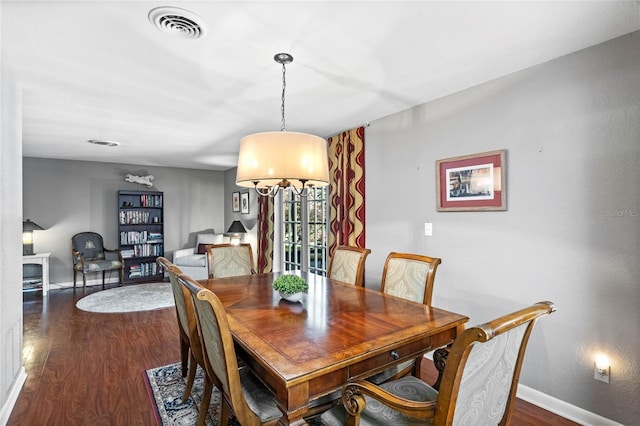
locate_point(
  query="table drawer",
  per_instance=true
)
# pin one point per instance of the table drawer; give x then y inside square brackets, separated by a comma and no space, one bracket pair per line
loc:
[379,362]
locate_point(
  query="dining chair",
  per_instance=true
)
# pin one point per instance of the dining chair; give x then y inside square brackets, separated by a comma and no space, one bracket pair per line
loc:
[347,265]
[240,390]
[478,388]
[90,255]
[409,276]
[227,260]
[190,348]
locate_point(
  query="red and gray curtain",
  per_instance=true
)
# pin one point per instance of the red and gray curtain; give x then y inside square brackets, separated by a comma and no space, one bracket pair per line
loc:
[346,191]
[265,235]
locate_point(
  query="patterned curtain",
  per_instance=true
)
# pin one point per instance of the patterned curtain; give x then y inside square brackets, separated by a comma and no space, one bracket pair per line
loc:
[346,191]
[265,235]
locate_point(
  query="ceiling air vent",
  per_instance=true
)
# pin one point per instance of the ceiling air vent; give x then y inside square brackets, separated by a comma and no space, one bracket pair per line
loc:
[103,142]
[177,22]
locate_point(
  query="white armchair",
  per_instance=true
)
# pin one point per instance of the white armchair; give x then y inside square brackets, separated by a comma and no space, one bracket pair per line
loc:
[193,261]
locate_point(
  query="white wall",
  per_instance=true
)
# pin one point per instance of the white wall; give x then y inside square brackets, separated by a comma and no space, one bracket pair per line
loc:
[67,197]
[12,374]
[572,230]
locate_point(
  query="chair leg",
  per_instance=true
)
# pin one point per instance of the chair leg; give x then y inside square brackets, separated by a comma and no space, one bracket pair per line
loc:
[225,412]
[103,275]
[206,399]
[121,283]
[75,273]
[84,280]
[193,366]
[185,352]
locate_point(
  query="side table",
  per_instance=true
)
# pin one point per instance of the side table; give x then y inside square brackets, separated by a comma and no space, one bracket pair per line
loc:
[40,259]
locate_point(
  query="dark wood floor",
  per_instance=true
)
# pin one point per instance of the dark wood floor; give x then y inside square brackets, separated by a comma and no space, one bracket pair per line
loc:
[87,368]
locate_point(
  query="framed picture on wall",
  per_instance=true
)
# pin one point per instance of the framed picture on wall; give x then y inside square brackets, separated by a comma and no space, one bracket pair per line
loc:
[235,201]
[472,182]
[244,203]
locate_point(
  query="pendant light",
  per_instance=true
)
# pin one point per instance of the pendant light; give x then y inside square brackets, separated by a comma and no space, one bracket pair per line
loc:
[269,161]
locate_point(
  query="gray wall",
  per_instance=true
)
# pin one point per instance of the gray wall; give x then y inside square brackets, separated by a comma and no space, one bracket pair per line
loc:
[250,221]
[67,197]
[12,374]
[572,230]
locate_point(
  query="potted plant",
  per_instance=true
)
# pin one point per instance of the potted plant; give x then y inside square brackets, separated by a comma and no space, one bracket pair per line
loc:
[290,287]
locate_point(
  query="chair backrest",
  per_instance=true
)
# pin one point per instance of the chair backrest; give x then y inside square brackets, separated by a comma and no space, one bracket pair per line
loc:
[481,377]
[226,260]
[89,245]
[217,345]
[347,264]
[178,295]
[409,276]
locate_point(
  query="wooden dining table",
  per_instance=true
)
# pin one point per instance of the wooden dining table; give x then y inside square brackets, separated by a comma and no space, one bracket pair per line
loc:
[308,349]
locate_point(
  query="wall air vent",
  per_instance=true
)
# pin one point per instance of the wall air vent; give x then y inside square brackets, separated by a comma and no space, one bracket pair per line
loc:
[177,22]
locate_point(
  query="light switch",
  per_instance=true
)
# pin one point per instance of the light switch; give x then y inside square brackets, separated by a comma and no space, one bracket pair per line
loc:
[428,229]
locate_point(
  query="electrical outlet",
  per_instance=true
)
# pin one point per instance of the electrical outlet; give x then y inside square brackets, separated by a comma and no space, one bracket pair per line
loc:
[601,374]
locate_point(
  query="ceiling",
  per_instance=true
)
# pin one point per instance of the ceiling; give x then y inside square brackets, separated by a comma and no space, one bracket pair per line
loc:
[101,70]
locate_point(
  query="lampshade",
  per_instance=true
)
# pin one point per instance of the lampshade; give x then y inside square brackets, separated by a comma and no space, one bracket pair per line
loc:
[236,228]
[267,159]
[28,225]
[27,236]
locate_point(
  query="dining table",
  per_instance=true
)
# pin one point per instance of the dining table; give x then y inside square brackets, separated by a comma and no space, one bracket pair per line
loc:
[306,350]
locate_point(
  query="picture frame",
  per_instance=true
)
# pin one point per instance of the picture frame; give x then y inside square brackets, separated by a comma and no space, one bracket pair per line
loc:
[235,201]
[244,203]
[475,182]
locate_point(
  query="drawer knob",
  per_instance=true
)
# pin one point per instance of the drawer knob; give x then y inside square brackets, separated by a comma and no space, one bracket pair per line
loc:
[395,355]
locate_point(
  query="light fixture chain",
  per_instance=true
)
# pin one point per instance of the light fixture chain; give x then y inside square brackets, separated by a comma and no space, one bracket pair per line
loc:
[284,86]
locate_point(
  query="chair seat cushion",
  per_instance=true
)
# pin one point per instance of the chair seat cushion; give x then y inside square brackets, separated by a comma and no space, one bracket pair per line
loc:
[191,260]
[378,414]
[98,265]
[259,398]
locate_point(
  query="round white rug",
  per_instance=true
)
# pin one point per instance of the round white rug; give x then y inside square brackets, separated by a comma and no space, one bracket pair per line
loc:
[131,298]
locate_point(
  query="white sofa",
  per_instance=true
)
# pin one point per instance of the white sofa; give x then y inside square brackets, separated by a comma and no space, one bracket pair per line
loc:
[193,263]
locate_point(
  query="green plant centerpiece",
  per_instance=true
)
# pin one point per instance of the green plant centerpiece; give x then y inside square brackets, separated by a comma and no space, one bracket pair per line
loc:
[290,287]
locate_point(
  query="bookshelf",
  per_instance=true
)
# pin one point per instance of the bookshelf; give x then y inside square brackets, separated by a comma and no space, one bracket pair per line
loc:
[141,239]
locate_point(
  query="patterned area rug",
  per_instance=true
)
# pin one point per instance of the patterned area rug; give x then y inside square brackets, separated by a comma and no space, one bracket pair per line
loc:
[166,387]
[130,298]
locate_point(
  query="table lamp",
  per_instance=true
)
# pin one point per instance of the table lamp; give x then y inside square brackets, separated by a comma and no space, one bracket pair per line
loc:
[27,236]
[236,229]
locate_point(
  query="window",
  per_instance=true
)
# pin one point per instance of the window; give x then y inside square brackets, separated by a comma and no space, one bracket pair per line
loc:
[305,241]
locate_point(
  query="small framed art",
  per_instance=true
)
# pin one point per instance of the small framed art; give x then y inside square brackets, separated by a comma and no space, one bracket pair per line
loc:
[235,201]
[244,203]
[472,182]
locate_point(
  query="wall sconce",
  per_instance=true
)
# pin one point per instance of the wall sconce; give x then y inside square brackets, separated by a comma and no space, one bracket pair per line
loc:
[27,236]
[602,368]
[236,229]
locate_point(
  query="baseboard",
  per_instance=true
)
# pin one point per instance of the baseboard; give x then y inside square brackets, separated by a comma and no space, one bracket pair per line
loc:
[562,408]
[13,394]
[556,406]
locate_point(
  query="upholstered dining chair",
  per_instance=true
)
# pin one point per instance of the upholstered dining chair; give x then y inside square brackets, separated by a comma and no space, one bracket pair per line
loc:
[347,264]
[89,255]
[478,388]
[190,349]
[240,391]
[409,276]
[226,260]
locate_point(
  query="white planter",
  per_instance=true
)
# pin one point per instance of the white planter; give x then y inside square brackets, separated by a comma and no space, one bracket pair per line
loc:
[291,297]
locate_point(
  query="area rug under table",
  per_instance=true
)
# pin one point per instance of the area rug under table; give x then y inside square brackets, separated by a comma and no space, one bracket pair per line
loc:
[130,298]
[166,387]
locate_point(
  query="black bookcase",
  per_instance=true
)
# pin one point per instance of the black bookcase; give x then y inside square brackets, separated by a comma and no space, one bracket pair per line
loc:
[141,227]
